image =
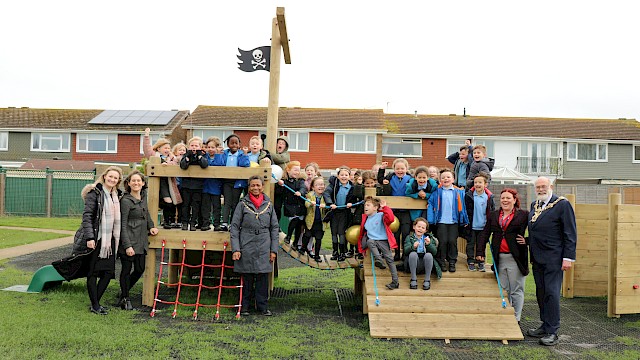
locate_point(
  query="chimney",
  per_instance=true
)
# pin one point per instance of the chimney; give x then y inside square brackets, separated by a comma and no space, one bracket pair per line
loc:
[464,112]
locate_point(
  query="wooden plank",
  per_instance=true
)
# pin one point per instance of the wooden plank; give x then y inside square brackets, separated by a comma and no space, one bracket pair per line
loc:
[332,264]
[438,305]
[627,232]
[590,288]
[624,285]
[568,278]
[593,273]
[592,212]
[404,202]
[598,256]
[592,227]
[444,282]
[149,279]
[614,202]
[627,268]
[220,172]
[451,291]
[628,246]
[444,326]
[588,242]
[353,262]
[284,39]
[215,239]
[628,214]
[627,304]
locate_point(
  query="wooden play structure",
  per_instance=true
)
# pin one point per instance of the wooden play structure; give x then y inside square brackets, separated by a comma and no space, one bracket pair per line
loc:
[607,255]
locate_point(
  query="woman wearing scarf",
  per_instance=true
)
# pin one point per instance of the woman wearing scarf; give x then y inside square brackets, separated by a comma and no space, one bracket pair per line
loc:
[254,242]
[510,256]
[101,231]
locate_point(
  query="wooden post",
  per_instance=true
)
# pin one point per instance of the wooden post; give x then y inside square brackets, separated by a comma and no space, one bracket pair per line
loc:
[274,88]
[614,201]
[153,182]
[568,276]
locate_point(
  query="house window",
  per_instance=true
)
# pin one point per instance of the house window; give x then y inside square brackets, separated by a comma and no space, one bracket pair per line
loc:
[453,146]
[636,153]
[401,147]
[298,141]
[354,143]
[97,143]
[205,134]
[586,152]
[50,142]
[152,137]
[4,141]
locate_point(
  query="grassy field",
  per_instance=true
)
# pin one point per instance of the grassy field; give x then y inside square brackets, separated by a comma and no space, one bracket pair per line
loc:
[11,238]
[70,224]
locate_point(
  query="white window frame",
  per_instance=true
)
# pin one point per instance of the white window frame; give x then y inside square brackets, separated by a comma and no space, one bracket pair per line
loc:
[339,143]
[51,136]
[153,137]
[633,154]
[401,140]
[4,141]
[85,137]
[597,145]
[296,135]
[213,132]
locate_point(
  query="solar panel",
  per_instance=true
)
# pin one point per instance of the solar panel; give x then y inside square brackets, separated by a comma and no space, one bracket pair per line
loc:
[134,117]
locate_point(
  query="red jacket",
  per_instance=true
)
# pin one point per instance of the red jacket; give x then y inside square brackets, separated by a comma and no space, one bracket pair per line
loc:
[387,218]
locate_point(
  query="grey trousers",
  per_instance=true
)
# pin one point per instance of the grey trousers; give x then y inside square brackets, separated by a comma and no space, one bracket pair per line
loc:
[382,246]
[512,282]
[417,266]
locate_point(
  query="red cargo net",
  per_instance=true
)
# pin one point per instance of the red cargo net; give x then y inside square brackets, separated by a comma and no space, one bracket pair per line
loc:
[202,266]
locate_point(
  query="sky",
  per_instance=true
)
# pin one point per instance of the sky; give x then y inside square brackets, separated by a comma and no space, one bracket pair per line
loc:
[495,58]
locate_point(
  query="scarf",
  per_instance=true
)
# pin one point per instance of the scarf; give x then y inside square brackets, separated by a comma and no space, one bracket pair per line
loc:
[257,201]
[109,224]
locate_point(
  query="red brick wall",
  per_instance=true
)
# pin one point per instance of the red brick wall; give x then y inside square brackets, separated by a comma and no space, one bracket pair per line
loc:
[321,152]
[128,150]
[433,153]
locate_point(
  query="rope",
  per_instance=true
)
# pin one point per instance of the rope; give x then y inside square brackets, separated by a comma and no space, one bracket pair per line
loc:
[375,283]
[495,272]
[314,204]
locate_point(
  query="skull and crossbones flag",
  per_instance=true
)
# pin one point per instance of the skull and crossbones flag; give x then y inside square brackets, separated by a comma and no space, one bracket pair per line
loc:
[256,59]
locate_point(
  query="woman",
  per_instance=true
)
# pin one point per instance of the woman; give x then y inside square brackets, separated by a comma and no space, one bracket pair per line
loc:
[136,226]
[254,242]
[510,254]
[101,232]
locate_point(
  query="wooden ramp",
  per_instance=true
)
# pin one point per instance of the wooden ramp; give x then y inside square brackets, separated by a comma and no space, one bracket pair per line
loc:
[326,264]
[461,305]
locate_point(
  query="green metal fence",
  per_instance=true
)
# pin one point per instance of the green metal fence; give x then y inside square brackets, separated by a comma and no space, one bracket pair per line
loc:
[43,193]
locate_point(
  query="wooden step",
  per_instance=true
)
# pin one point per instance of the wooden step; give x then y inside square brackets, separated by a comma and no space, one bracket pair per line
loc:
[437,305]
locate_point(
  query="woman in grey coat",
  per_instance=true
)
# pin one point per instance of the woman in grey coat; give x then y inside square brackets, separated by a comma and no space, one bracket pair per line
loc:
[254,242]
[134,237]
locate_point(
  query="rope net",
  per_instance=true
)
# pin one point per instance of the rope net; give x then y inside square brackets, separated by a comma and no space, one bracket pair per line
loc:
[200,285]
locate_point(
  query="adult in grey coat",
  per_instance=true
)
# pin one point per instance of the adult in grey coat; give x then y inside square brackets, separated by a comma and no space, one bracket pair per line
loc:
[134,237]
[254,242]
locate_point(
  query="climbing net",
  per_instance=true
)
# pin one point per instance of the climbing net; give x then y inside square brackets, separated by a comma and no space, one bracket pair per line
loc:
[180,284]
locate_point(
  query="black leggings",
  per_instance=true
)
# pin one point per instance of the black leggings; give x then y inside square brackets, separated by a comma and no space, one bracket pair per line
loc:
[294,231]
[97,288]
[127,278]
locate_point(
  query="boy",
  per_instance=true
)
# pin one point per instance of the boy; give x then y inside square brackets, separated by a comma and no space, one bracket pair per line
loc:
[280,158]
[212,191]
[480,163]
[461,163]
[256,153]
[192,187]
[379,239]
[479,203]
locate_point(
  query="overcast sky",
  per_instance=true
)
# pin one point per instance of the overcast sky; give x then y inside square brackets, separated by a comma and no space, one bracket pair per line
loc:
[509,58]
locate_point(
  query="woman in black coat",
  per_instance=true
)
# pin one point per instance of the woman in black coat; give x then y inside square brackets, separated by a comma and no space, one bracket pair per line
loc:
[510,255]
[101,232]
[134,240]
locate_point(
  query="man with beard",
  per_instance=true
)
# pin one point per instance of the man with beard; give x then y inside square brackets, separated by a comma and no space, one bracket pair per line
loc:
[552,242]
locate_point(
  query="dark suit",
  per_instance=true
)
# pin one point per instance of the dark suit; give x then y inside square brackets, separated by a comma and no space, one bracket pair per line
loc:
[552,237]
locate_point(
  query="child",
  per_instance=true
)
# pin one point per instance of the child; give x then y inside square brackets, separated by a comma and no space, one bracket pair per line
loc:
[421,245]
[312,170]
[340,191]
[280,158]
[169,193]
[316,210]
[192,187]
[447,210]
[434,173]
[480,163]
[232,188]
[375,232]
[256,153]
[461,162]
[178,151]
[212,191]
[293,204]
[479,203]
[420,187]
[398,181]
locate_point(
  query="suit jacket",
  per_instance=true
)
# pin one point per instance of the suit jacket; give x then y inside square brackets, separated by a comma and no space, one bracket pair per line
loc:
[553,236]
[516,227]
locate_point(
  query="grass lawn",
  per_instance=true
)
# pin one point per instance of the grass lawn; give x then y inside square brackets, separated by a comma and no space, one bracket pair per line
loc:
[11,238]
[59,223]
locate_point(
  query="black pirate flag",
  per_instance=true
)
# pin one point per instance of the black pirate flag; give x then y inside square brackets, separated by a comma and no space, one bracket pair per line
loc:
[256,59]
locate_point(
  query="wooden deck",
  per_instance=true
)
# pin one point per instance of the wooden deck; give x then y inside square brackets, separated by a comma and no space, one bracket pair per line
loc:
[461,305]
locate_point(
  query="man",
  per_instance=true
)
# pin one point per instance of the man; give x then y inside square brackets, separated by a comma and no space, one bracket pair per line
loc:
[552,242]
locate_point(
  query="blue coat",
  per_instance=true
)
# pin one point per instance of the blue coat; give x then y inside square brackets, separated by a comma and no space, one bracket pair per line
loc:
[213,186]
[434,211]
[552,236]
[243,161]
[412,191]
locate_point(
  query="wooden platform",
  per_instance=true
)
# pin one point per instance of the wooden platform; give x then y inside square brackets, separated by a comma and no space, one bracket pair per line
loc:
[461,305]
[326,264]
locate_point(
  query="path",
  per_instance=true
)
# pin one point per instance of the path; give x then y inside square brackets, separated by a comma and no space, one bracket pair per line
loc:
[37,246]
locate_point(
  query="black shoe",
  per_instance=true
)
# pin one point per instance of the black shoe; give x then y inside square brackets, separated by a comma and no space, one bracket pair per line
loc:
[127,304]
[413,285]
[396,257]
[536,333]
[426,285]
[167,226]
[266,313]
[193,227]
[443,268]
[100,311]
[217,228]
[317,259]
[206,228]
[122,303]
[334,256]
[185,227]
[452,267]
[341,257]
[549,340]
[245,313]
[301,251]
[393,285]
[349,254]
[359,256]
[287,240]
[380,264]
[224,227]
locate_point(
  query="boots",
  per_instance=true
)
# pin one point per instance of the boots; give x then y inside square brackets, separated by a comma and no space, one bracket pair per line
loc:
[336,253]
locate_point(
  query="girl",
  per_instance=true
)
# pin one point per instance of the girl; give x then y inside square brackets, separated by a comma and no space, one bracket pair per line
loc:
[136,226]
[420,187]
[212,191]
[178,151]
[447,209]
[398,181]
[434,173]
[423,246]
[232,188]
[170,196]
[293,203]
[340,191]
[312,170]
[101,228]
[316,210]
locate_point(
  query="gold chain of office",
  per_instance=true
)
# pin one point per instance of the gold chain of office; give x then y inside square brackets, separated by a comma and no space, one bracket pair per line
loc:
[257,213]
[538,209]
